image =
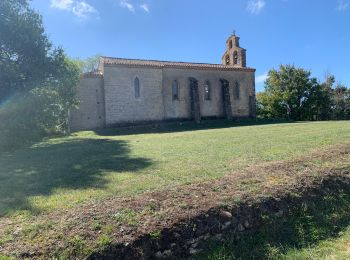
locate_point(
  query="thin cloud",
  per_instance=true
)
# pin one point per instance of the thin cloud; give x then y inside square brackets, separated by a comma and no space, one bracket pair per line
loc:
[81,9]
[261,78]
[126,4]
[145,8]
[255,6]
[62,4]
[342,6]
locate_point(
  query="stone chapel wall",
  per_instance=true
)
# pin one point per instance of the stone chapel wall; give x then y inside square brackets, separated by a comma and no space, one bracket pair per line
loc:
[90,114]
[121,104]
[209,108]
[110,99]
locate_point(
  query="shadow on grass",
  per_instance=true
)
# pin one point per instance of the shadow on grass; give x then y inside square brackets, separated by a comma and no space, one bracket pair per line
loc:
[73,164]
[306,225]
[182,126]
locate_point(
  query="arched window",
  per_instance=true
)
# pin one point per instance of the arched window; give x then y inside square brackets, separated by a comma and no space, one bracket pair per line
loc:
[236,91]
[231,45]
[227,59]
[235,57]
[207,90]
[137,87]
[175,89]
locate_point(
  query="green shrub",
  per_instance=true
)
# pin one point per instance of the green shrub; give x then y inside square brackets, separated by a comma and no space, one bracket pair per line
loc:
[28,117]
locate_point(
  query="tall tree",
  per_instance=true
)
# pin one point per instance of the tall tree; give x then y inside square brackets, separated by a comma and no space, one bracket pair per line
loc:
[289,93]
[24,48]
[341,102]
[319,103]
[38,80]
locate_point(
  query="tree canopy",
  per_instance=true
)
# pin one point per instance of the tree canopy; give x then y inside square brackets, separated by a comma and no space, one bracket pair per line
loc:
[35,76]
[25,61]
[292,93]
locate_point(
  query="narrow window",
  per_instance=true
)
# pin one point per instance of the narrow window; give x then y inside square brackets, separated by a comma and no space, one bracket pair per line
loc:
[227,60]
[236,91]
[207,90]
[231,44]
[175,88]
[235,57]
[137,87]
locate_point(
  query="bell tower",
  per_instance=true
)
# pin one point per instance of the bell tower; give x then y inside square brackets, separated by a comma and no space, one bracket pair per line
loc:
[234,54]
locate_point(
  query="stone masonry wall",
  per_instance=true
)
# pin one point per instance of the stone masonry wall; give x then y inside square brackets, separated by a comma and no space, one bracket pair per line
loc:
[90,114]
[110,100]
[121,104]
[209,108]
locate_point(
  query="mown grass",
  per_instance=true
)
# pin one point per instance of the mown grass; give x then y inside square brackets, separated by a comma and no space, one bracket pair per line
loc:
[62,172]
[318,229]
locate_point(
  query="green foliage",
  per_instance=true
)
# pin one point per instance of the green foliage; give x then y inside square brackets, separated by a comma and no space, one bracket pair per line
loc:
[341,102]
[24,59]
[292,93]
[289,87]
[27,117]
[6,237]
[15,128]
[155,234]
[126,216]
[89,64]
[323,99]
[37,82]
[96,226]
[77,246]
[34,230]
[103,242]
[263,105]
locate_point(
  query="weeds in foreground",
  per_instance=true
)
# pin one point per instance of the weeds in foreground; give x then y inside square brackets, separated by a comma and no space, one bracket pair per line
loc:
[298,236]
[103,242]
[126,216]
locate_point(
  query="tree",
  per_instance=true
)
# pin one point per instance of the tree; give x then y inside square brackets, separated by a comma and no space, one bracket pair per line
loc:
[323,98]
[341,102]
[24,48]
[37,80]
[263,105]
[91,64]
[289,93]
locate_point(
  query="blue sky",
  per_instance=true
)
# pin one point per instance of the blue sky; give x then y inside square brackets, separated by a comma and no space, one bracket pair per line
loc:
[314,34]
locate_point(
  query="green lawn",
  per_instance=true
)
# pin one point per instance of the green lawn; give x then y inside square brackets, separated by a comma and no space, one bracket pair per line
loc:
[59,173]
[62,172]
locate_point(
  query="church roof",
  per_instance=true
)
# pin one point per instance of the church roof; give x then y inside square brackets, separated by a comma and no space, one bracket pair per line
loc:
[93,74]
[170,64]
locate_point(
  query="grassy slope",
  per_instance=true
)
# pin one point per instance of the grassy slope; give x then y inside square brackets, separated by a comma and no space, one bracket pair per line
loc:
[336,248]
[59,173]
[313,231]
[62,172]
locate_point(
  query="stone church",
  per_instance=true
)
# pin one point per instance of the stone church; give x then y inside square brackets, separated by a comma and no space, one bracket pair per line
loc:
[133,91]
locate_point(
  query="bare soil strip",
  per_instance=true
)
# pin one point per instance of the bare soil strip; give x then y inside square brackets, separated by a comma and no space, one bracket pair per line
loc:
[177,222]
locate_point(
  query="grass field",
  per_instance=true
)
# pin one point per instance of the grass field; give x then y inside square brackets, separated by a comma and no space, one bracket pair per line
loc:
[60,173]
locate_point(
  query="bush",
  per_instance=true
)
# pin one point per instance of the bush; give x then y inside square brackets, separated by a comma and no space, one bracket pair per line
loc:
[37,80]
[28,117]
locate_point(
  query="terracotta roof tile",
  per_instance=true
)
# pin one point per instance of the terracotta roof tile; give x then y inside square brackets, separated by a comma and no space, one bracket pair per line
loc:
[170,64]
